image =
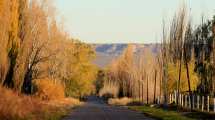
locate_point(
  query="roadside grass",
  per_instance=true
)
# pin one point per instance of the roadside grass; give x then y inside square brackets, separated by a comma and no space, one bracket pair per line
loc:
[201,115]
[125,101]
[119,101]
[56,114]
[60,109]
[14,106]
[159,113]
[172,112]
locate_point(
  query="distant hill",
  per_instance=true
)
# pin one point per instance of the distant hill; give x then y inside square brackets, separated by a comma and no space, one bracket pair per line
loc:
[110,49]
[106,53]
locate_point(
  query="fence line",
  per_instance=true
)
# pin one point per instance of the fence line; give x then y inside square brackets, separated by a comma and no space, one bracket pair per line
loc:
[196,102]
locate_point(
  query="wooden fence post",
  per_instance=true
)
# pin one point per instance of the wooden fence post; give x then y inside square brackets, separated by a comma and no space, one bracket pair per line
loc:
[158,100]
[189,98]
[161,99]
[214,104]
[202,103]
[185,101]
[208,104]
[182,100]
[197,102]
[193,103]
[172,98]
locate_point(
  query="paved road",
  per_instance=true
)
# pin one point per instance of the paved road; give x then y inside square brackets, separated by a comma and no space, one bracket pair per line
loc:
[95,109]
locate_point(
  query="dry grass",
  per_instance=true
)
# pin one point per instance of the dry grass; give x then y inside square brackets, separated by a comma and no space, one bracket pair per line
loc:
[20,107]
[64,102]
[13,106]
[48,90]
[109,90]
[120,101]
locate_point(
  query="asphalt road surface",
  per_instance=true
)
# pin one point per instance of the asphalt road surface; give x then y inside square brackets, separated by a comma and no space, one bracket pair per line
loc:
[95,109]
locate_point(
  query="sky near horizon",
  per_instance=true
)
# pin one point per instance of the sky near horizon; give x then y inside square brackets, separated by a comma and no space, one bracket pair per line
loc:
[125,21]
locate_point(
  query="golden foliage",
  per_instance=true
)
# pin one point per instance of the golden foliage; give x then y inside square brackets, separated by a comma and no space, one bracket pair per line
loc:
[14,25]
[134,75]
[121,70]
[33,47]
[73,66]
[48,90]
[173,70]
[4,63]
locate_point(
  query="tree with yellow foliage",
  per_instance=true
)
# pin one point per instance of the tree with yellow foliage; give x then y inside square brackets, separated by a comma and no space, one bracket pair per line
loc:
[172,77]
[4,9]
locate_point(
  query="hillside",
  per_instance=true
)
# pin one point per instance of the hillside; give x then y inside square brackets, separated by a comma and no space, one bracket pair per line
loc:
[106,53]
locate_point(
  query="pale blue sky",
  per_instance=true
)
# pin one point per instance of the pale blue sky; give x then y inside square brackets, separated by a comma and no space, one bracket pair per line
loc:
[124,21]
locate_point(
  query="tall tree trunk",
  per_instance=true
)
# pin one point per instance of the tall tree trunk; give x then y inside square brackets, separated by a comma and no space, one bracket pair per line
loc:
[27,85]
[13,42]
[160,86]
[142,89]
[8,82]
[213,58]
[139,90]
[147,91]
[165,85]
[155,86]
[188,76]
[142,92]
[179,78]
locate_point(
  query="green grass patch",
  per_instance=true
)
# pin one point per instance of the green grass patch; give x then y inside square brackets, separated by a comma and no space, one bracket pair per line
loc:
[160,113]
[53,114]
[56,115]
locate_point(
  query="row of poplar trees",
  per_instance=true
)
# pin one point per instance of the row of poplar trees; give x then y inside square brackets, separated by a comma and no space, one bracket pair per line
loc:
[33,46]
[188,56]
[14,30]
[184,62]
